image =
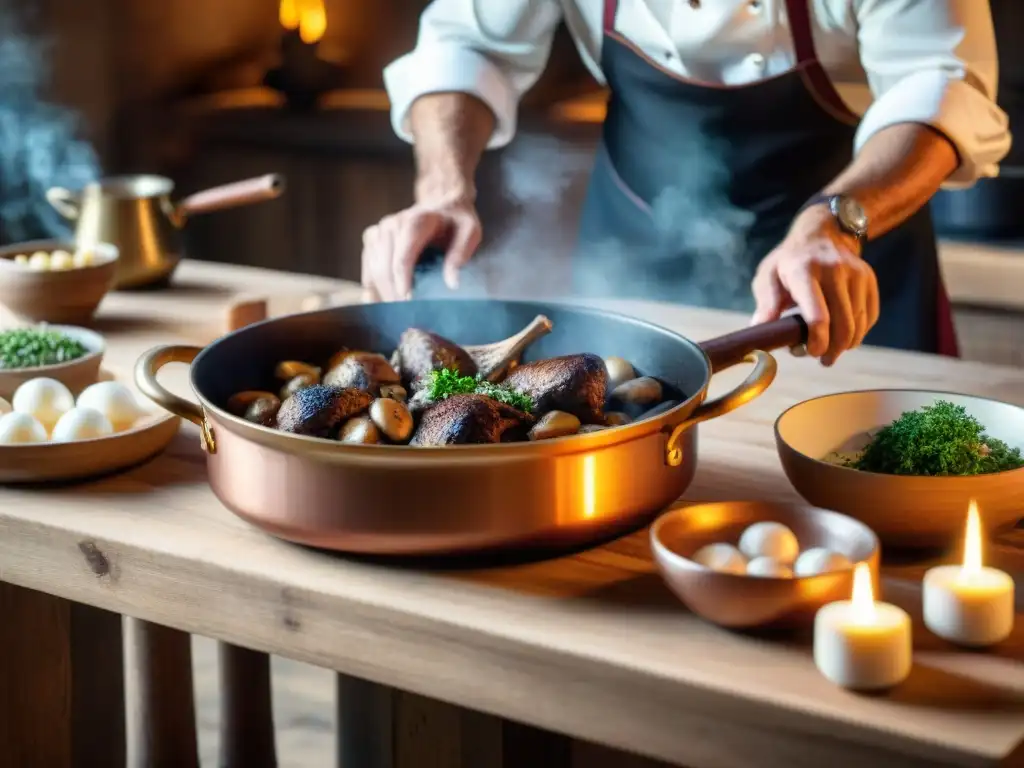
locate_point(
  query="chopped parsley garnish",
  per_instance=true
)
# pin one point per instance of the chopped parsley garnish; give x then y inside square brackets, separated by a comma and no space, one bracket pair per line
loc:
[938,440]
[33,347]
[445,382]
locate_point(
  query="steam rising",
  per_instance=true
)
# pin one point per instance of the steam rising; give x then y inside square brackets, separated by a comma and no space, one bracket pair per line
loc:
[698,232]
[39,144]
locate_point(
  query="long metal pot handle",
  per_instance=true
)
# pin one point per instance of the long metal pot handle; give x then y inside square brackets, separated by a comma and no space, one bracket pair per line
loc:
[146,370]
[758,381]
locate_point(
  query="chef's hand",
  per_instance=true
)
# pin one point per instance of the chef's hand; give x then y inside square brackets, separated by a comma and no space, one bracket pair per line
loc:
[393,245]
[819,270]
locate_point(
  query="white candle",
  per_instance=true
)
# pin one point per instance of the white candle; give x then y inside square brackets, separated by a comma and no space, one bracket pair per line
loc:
[969,604]
[860,644]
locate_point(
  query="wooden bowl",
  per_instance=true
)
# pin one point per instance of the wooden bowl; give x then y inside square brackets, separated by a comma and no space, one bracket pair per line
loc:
[905,512]
[85,459]
[68,296]
[749,602]
[76,375]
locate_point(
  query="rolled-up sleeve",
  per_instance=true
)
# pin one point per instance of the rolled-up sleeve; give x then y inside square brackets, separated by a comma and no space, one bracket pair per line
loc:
[934,62]
[492,49]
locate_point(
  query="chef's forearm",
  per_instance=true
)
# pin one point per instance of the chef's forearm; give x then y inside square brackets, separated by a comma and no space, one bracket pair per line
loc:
[450,132]
[896,173]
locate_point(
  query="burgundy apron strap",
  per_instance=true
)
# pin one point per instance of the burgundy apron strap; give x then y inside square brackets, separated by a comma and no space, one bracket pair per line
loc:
[947,341]
[799,14]
[610,7]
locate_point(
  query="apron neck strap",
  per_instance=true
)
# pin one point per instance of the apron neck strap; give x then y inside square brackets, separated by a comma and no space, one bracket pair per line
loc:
[799,14]
[610,8]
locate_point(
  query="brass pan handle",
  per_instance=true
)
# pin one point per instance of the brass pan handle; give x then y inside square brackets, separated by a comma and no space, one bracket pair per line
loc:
[146,370]
[64,201]
[758,381]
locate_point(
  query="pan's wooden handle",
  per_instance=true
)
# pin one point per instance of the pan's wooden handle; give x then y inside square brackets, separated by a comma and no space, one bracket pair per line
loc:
[733,348]
[230,195]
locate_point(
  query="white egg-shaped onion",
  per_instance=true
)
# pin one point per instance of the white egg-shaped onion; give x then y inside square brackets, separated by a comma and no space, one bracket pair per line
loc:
[768,568]
[81,424]
[115,401]
[819,560]
[721,557]
[21,429]
[770,539]
[44,399]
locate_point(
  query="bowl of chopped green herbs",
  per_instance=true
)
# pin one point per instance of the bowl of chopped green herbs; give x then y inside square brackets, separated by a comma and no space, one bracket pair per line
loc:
[67,353]
[907,462]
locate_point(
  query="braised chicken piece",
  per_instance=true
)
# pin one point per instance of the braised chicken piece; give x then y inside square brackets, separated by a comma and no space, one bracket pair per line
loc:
[368,371]
[420,352]
[462,419]
[575,384]
[317,410]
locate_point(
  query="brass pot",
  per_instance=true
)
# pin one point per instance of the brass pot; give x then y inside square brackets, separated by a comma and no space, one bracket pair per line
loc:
[137,215]
[400,500]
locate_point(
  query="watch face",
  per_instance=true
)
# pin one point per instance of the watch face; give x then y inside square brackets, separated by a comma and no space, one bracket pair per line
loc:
[851,215]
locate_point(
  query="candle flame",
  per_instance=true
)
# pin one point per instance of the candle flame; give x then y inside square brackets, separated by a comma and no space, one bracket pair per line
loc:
[288,14]
[863,599]
[307,16]
[312,21]
[972,542]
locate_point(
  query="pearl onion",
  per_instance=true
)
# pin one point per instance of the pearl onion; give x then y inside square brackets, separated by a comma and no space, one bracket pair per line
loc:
[114,400]
[721,557]
[772,540]
[45,399]
[768,567]
[61,260]
[20,429]
[818,560]
[81,424]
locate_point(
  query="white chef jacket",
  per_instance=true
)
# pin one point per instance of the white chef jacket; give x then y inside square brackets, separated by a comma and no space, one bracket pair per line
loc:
[892,61]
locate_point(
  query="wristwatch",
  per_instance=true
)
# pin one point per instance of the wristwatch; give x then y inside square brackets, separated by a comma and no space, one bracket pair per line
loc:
[849,214]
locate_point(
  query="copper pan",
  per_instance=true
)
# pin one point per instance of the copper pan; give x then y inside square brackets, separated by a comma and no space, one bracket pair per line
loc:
[399,500]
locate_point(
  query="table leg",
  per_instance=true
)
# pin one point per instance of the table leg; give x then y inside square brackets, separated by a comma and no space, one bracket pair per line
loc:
[364,724]
[379,727]
[162,727]
[61,683]
[246,709]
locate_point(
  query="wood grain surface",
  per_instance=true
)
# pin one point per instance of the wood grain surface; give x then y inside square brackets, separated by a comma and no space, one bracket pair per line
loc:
[591,645]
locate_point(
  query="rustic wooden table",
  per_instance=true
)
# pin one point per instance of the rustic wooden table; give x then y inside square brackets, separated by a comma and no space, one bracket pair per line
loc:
[591,646]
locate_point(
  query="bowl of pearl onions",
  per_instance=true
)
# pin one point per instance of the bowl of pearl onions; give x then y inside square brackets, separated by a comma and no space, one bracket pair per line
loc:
[47,434]
[753,565]
[50,281]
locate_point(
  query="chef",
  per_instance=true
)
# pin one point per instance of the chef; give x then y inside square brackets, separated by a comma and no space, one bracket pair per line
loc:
[833,123]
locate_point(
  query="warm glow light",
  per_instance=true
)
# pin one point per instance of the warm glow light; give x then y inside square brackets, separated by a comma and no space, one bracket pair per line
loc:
[288,13]
[589,486]
[312,21]
[307,16]
[863,599]
[972,542]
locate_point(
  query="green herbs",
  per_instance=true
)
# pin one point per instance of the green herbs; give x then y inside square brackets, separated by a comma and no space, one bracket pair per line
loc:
[33,347]
[446,382]
[940,439]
